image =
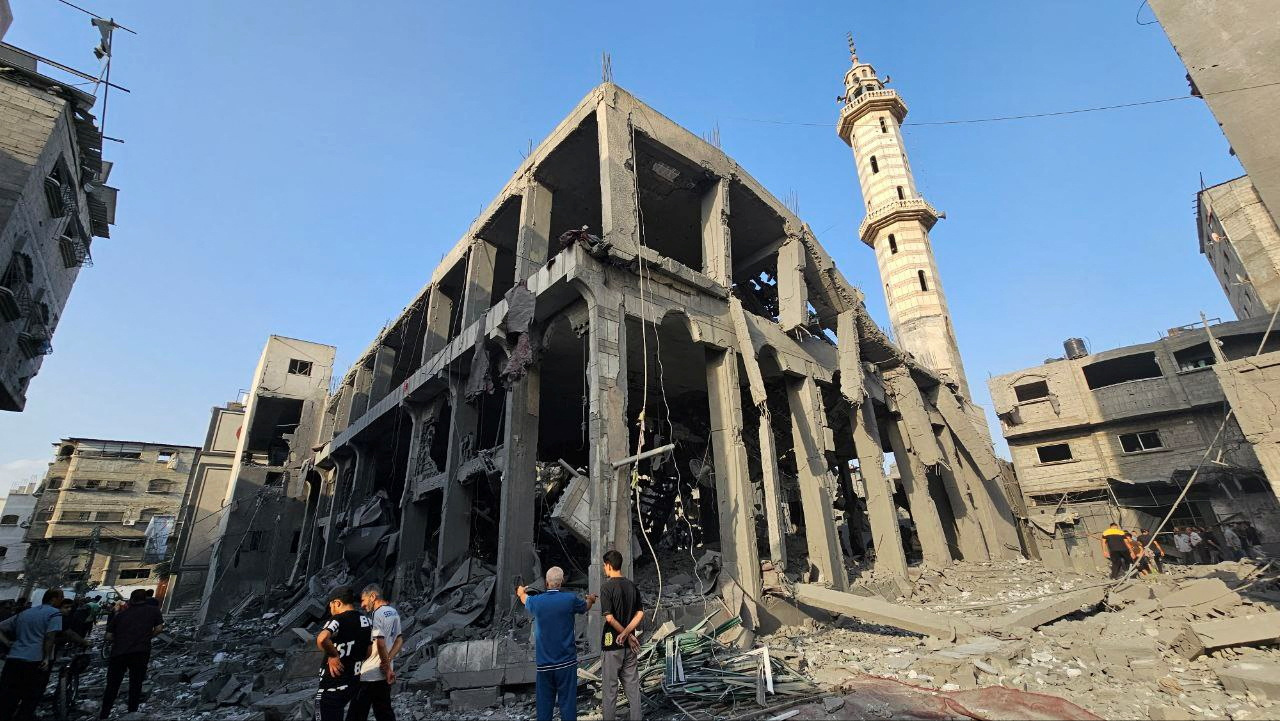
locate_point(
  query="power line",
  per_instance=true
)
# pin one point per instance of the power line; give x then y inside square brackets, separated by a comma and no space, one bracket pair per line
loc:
[1026,116]
[95,15]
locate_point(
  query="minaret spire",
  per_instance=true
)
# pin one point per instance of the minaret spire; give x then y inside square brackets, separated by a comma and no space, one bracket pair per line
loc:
[898,221]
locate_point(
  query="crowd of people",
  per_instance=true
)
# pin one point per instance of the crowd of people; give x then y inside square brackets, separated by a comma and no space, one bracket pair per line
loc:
[36,637]
[1191,545]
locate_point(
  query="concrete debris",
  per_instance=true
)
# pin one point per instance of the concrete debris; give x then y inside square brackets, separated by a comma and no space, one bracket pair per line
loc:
[1049,611]
[877,611]
[1260,679]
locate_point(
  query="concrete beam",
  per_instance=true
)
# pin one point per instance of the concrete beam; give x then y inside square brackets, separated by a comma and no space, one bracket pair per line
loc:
[717,253]
[793,292]
[850,357]
[618,210]
[733,491]
[875,610]
[1047,611]
[808,434]
[881,511]
[978,462]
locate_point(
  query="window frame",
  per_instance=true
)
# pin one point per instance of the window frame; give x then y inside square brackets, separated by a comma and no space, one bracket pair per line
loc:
[1017,394]
[1065,444]
[300,367]
[1137,437]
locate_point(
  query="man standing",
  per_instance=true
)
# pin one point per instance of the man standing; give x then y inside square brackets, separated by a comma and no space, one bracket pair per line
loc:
[1234,546]
[554,646]
[1116,548]
[377,674]
[622,610]
[345,641]
[1153,548]
[1182,544]
[32,636]
[1198,549]
[130,632]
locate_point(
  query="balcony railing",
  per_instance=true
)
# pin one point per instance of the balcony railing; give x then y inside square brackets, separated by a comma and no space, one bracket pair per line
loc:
[75,251]
[15,296]
[35,339]
[888,212]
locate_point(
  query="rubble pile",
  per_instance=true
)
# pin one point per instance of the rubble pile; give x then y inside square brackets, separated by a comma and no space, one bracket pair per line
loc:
[1195,642]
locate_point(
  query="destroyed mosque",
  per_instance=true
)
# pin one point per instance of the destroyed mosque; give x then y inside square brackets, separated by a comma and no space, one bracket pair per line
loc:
[634,347]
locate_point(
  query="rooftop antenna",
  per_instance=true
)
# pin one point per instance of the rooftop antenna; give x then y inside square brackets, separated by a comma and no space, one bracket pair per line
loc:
[713,136]
[606,68]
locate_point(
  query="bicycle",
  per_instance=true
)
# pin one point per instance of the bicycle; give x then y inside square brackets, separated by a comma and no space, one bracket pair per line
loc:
[68,685]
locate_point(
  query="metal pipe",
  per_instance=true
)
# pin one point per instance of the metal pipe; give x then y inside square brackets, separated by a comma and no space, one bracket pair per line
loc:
[641,456]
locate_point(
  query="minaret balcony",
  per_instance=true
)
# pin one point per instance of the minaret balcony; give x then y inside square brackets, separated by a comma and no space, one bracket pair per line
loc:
[886,214]
[866,103]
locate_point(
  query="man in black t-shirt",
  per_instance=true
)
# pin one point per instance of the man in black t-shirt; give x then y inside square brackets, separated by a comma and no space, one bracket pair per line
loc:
[130,632]
[620,604]
[345,640]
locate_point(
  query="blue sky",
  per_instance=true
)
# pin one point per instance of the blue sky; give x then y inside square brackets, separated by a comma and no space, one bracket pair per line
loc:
[300,168]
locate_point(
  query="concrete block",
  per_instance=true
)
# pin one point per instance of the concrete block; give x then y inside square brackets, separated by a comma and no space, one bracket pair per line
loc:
[1149,669]
[1122,651]
[1049,610]
[874,610]
[1200,592]
[1130,592]
[1259,678]
[1170,713]
[283,706]
[1240,631]
[303,663]
[472,699]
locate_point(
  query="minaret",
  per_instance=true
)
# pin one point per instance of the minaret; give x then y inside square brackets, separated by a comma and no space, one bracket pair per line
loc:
[898,221]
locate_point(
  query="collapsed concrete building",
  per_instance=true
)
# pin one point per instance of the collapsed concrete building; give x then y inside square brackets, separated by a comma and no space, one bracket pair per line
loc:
[636,346]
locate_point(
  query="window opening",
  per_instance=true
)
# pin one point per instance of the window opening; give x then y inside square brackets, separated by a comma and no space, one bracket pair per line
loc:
[1112,371]
[893,244]
[133,574]
[924,284]
[875,166]
[884,128]
[1031,391]
[901,195]
[299,367]
[1054,453]
[1140,441]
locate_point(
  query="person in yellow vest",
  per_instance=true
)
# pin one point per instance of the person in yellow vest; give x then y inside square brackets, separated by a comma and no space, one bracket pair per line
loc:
[1115,548]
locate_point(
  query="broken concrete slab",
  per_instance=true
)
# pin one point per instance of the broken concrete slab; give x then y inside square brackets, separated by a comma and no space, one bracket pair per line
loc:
[1130,592]
[307,609]
[1200,592]
[1261,679]
[473,699]
[485,662]
[287,706]
[1249,630]
[1047,611]
[874,610]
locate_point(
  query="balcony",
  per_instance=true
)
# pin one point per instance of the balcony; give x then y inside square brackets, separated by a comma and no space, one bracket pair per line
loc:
[885,214]
[75,251]
[36,339]
[869,102]
[15,298]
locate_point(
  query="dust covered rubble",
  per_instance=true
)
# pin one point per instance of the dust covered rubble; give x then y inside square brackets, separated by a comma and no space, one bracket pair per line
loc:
[1147,651]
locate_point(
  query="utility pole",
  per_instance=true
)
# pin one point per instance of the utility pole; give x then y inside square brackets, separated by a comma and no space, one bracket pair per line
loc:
[82,585]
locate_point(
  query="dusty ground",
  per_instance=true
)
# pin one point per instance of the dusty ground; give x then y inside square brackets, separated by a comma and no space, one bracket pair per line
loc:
[1113,661]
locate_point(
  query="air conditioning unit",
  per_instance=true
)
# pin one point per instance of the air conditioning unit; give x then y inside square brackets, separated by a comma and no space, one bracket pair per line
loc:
[131,522]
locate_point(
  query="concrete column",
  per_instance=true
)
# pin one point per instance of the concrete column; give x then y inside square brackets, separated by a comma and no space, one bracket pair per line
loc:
[455,513]
[413,516]
[618,211]
[986,487]
[384,364]
[439,316]
[915,481]
[881,512]
[733,490]
[969,531]
[362,384]
[808,434]
[717,253]
[610,492]
[768,452]
[343,464]
[793,294]
[516,552]
[482,261]
[533,244]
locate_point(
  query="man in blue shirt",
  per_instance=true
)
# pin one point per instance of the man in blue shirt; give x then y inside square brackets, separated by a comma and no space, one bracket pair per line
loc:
[32,636]
[555,648]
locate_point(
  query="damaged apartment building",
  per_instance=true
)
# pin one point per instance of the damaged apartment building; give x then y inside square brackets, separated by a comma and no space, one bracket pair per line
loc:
[638,347]
[1114,436]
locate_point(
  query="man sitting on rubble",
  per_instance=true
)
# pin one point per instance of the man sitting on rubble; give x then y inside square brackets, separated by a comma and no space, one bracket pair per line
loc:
[555,647]
[377,674]
[622,610]
[130,632]
[1115,548]
[345,640]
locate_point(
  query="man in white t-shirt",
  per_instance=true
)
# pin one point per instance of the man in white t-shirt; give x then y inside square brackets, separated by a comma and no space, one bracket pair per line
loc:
[377,673]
